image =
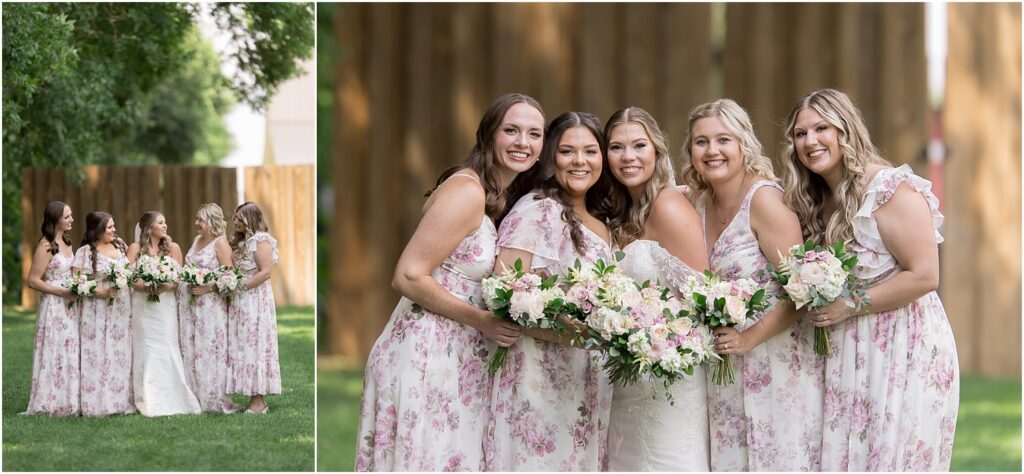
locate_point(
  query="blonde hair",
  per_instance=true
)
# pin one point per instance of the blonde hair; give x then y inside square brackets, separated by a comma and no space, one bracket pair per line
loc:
[736,120]
[629,216]
[806,192]
[254,222]
[146,228]
[213,216]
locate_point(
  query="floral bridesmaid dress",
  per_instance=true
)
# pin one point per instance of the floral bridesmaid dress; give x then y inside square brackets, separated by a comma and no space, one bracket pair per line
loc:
[55,370]
[106,331]
[893,379]
[202,332]
[769,419]
[253,365]
[550,403]
[426,387]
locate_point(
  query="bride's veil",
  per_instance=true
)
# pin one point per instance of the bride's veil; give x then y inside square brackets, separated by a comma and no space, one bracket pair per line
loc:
[138,233]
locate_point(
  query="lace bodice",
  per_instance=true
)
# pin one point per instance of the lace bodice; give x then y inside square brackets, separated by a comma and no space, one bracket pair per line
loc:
[648,260]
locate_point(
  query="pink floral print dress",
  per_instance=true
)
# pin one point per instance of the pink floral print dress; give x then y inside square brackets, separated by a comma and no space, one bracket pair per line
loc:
[426,388]
[106,331]
[769,419]
[55,371]
[893,379]
[203,337]
[550,404]
[253,365]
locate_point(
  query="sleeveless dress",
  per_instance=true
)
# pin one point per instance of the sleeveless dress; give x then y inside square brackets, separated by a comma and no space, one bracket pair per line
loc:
[55,371]
[253,364]
[426,387]
[892,379]
[550,403]
[158,374]
[769,419]
[202,330]
[646,433]
[106,331]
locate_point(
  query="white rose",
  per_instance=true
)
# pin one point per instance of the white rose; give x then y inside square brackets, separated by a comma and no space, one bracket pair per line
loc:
[527,303]
[681,325]
[798,291]
[736,308]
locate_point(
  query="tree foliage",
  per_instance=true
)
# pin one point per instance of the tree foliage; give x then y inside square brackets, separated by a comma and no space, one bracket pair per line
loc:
[116,83]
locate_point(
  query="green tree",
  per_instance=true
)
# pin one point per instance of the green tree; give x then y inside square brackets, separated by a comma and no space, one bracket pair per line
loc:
[88,83]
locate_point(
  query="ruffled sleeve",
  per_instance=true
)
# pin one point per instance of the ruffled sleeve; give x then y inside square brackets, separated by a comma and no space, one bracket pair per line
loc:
[880,191]
[83,259]
[536,226]
[255,239]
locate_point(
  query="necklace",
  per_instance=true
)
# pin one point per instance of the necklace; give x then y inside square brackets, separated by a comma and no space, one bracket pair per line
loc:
[739,190]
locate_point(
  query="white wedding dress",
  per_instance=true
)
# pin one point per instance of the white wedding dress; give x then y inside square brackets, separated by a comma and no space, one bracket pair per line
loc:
[646,432]
[158,373]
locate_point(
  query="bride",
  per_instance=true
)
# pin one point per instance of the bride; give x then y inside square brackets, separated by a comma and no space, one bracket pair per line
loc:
[158,373]
[664,243]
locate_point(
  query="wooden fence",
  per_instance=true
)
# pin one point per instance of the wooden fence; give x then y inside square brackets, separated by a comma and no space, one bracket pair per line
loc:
[177,191]
[414,79]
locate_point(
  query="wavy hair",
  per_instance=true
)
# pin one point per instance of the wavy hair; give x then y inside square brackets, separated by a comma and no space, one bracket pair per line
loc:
[96,226]
[736,120]
[806,191]
[546,185]
[52,216]
[145,231]
[213,216]
[628,217]
[482,158]
[254,222]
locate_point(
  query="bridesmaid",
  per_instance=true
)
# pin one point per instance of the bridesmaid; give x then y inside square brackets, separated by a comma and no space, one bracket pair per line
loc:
[203,325]
[106,357]
[663,241]
[893,383]
[426,389]
[769,419]
[253,365]
[55,356]
[550,401]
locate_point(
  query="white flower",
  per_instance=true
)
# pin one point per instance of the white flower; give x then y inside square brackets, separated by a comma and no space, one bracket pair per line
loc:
[489,291]
[798,291]
[528,303]
[680,325]
[812,273]
[736,307]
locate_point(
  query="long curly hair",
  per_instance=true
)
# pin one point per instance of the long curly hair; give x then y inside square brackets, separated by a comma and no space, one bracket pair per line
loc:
[628,217]
[806,192]
[95,227]
[546,185]
[146,230]
[737,122]
[52,216]
[254,222]
[482,158]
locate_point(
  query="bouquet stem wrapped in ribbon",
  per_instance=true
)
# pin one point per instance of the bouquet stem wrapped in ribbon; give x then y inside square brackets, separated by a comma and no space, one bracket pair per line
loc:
[524,298]
[816,277]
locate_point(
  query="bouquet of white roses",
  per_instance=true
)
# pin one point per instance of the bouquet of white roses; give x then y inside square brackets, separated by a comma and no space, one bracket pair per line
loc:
[195,275]
[81,285]
[155,272]
[655,334]
[815,278]
[227,280]
[724,303]
[119,276]
[524,298]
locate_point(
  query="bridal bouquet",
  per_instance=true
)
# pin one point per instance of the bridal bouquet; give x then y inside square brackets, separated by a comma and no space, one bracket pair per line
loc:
[524,298]
[596,286]
[155,272]
[119,276]
[815,278]
[227,280]
[724,303]
[81,285]
[195,275]
[652,333]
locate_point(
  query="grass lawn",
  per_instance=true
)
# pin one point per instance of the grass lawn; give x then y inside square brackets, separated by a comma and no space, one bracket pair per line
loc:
[988,432]
[279,441]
